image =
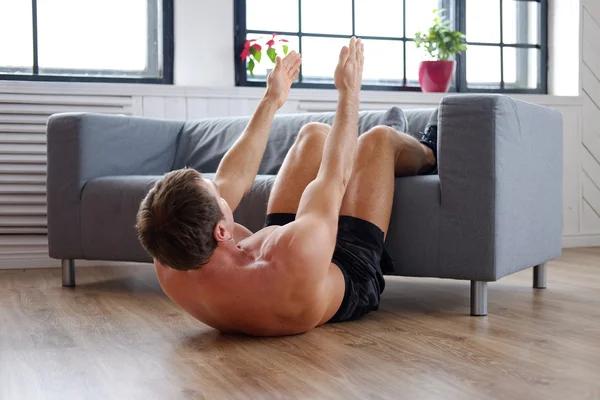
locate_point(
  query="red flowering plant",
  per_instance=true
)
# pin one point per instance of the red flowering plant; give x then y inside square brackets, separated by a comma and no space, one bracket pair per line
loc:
[253,50]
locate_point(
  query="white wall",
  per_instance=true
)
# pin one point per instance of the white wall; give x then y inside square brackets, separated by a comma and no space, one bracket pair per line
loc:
[205,88]
[204,43]
[564,37]
[26,105]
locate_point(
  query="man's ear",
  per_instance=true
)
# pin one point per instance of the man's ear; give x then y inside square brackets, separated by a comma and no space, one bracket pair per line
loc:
[221,234]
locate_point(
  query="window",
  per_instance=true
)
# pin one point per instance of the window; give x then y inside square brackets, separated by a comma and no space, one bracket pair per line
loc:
[91,40]
[507,40]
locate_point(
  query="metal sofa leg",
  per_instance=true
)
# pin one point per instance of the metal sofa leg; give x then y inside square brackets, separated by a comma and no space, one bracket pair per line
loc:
[68,273]
[478,298]
[539,276]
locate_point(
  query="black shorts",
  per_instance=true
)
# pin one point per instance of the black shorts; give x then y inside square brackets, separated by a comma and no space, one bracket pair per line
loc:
[361,256]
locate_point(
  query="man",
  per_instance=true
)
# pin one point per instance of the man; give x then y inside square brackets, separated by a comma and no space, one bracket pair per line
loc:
[320,256]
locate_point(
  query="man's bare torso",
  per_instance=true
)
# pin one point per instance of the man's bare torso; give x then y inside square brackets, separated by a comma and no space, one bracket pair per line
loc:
[258,290]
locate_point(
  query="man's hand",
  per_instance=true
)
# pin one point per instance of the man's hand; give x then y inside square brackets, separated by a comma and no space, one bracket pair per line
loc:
[348,73]
[238,168]
[281,78]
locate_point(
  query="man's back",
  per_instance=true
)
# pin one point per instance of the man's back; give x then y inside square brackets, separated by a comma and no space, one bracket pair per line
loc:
[319,258]
[260,289]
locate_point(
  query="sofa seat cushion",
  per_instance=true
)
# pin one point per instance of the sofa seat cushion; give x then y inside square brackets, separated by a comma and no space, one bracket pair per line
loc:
[109,206]
[252,210]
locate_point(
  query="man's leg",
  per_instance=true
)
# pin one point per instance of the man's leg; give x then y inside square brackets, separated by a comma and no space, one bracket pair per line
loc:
[299,168]
[382,154]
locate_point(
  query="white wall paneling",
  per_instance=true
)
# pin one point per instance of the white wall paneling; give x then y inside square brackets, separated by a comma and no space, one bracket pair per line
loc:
[242,107]
[571,169]
[175,108]
[218,108]
[24,112]
[590,89]
[196,108]
[153,106]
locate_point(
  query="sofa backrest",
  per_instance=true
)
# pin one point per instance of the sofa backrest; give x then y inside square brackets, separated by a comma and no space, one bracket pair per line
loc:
[203,143]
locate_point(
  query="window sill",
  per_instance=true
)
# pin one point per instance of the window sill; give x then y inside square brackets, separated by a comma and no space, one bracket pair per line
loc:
[305,96]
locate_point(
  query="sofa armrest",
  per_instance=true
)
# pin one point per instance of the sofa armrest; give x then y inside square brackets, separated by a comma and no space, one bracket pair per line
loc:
[500,167]
[84,146]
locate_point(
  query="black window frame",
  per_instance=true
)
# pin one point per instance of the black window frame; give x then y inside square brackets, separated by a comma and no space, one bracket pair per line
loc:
[458,18]
[154,46]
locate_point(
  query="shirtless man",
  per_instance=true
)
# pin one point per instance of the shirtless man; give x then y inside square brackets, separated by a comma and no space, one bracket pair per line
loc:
[320,256]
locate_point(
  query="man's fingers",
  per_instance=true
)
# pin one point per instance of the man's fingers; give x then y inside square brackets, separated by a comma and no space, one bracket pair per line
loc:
[292,59]
[361,52]
[344,55]
[288,61]
[295,75]
[283,61]
[294,70]
[352,52]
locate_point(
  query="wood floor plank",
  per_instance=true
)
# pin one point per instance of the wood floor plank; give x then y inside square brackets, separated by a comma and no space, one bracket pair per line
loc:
[116,335]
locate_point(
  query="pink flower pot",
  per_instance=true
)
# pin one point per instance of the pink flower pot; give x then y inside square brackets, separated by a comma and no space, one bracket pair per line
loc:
[435,76]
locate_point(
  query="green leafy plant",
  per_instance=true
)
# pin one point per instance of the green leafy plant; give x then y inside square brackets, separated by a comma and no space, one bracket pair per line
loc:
[440,41]
[253,51]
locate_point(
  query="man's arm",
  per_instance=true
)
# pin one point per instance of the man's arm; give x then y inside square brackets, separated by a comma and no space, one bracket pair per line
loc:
[315,228]
[238,168]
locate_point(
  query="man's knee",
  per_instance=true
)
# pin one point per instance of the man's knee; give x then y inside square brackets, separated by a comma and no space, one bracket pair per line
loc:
[376,139]
[313,134]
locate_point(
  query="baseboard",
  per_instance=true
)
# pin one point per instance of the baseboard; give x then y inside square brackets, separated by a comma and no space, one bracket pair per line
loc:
[581,240]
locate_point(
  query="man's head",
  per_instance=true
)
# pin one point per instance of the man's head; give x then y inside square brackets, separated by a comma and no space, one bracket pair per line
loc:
[182,220]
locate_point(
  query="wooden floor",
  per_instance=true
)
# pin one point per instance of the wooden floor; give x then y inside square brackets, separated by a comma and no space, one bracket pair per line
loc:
[116,336]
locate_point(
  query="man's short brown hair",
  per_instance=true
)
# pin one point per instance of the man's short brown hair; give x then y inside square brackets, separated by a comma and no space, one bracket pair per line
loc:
[176,220]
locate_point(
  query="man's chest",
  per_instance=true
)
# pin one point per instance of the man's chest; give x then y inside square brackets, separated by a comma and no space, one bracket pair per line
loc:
[260,244]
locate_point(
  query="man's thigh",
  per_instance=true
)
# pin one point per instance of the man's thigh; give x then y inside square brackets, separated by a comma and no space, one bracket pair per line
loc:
[299,168]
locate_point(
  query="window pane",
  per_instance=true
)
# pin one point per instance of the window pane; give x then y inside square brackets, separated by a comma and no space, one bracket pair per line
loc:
[419,15]
[521,68]
[93,35]
[320,57]
[383,62]
[260,70]
[483,66]
[378,18]
[329,16]
[259,15]
[520,21]
[16,36]
[414,57]
[483,21]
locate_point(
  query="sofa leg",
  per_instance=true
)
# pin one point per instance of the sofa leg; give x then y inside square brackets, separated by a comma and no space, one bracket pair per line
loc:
[539,276]
[478,298]
[68,273]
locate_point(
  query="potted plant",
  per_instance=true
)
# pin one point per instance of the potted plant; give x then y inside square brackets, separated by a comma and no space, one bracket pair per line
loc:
[440,42]
[253,51]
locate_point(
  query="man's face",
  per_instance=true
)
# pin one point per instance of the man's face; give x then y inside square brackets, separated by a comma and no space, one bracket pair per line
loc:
[212,188]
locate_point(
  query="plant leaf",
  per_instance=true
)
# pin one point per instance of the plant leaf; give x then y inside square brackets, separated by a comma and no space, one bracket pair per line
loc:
[256,54]
[285,49]
[251,67]
[272,54]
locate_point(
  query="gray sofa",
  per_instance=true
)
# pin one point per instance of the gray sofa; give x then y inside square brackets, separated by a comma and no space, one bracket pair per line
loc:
[494,209]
